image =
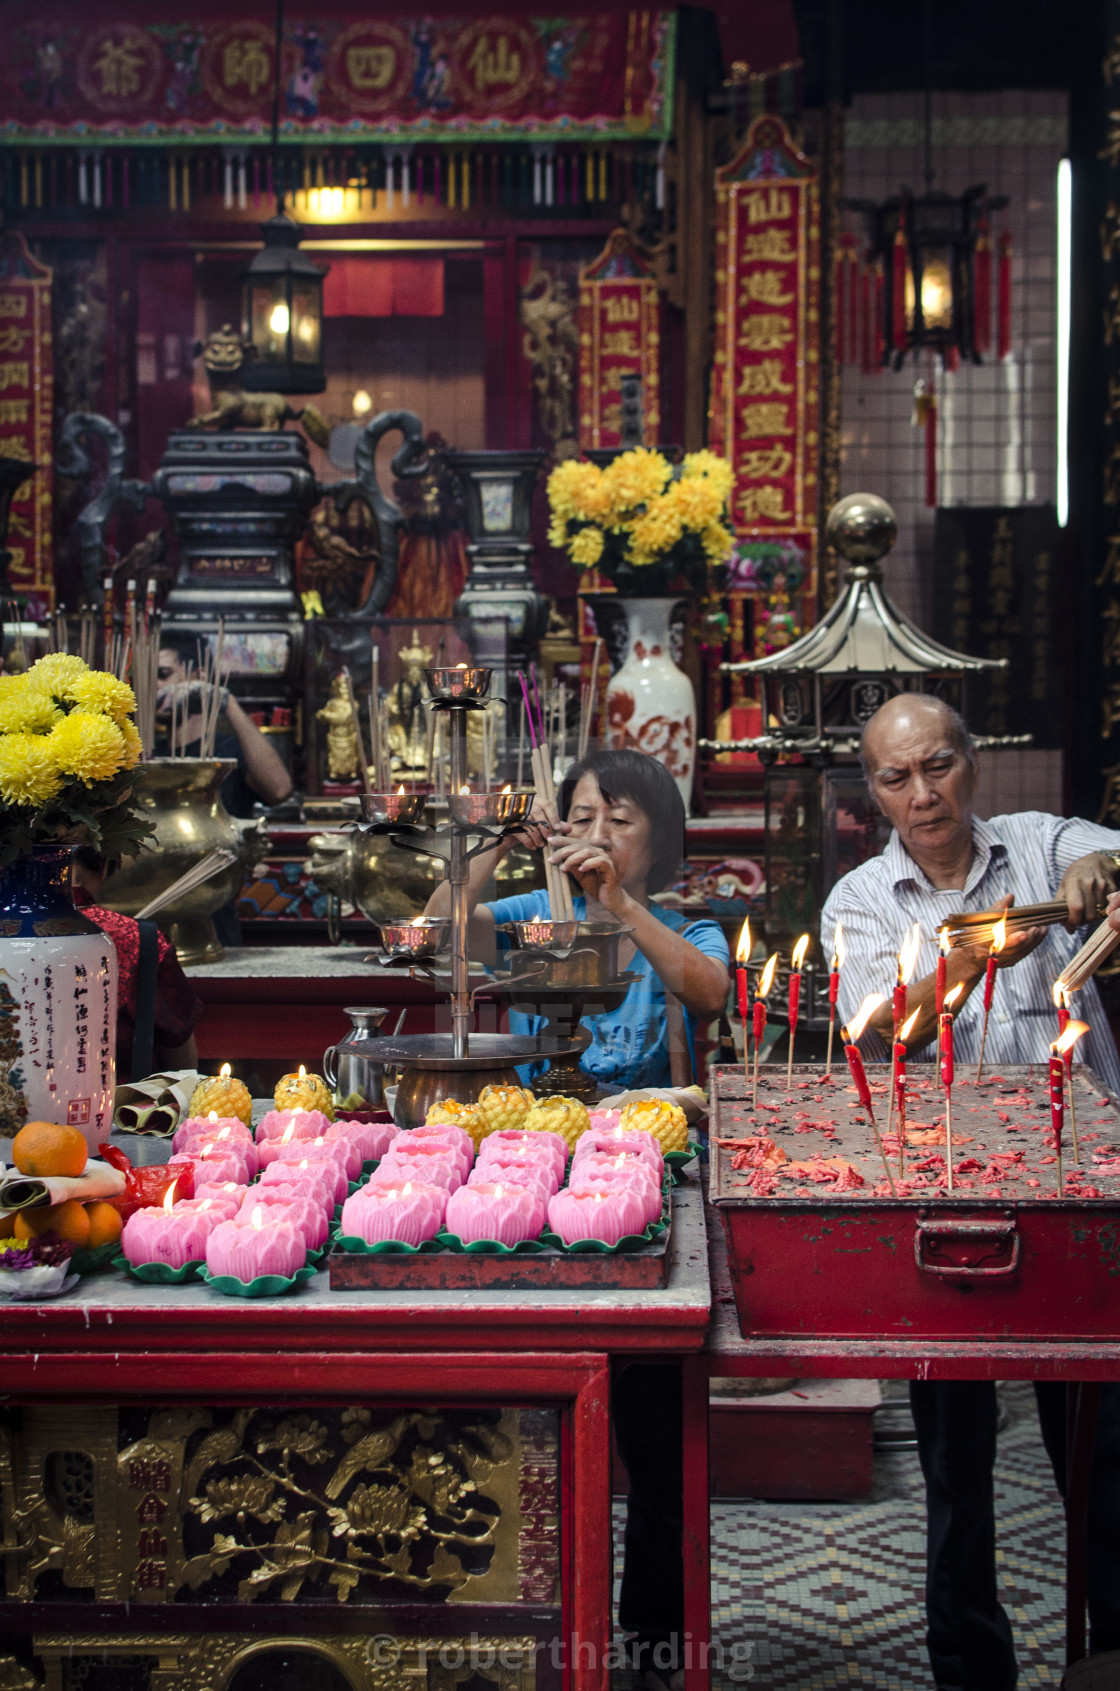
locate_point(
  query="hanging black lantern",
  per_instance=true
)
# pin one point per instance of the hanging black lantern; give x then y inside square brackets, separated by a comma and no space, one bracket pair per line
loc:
[282,314]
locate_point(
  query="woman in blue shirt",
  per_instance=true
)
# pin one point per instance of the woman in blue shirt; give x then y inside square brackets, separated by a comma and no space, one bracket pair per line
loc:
[620,836]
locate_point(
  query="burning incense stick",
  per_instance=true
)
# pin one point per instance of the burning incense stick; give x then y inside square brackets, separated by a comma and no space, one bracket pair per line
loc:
[1100,945]
[898,1098]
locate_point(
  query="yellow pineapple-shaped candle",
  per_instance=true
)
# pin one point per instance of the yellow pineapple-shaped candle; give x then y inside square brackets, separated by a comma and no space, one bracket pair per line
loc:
[224,1095]
[565,1116]
[304,1091]
[467,1116]
[504,1108]
[659,1116]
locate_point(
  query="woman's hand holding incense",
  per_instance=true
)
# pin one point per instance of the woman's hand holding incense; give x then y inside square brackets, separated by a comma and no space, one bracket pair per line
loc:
[595,870]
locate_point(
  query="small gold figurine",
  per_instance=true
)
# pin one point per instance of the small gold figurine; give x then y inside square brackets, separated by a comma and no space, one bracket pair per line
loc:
[408,729]
[342,741]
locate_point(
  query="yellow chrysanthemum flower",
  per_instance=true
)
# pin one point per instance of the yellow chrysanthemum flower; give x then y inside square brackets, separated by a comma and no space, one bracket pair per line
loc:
[709,466]
[101,692]
[575,490]
[29,774]
[655,533]
[26,710]
[133,745]
[586,547]
[717,542]
[558,532]
[56,672]
[696,501]
[633,479]
[89,747]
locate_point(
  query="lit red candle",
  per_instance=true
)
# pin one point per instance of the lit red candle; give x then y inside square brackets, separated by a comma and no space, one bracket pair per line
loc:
[900,1049]
[849,1035]
[939,978]
[766,981]
[839,952]
[991,968]
[796,964]
[742,958]
[1061,1052]
[945,1043]
[907,961]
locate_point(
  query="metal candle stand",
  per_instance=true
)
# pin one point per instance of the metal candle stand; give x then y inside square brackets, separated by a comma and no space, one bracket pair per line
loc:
[440,1065]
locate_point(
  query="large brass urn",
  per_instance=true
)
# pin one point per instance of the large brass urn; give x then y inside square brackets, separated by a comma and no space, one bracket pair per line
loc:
[182,797]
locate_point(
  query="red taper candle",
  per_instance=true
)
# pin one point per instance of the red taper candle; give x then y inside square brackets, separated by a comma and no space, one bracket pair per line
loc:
[758,1011]
[741,990]
[1057,1098]
[859,1074]
[833,988]
[939,979]
[990,970]
[945,1023]
[898,1006]
[900,1079]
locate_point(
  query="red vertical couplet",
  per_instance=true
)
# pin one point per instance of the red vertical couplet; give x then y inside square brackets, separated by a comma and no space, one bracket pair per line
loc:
[1003,331]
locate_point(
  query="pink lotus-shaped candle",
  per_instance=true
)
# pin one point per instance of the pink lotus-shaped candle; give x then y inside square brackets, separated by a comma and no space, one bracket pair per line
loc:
[441,1133]
[539,1173]
[535,1144]
[325,1177]
[435,1170]
[212,1163]
[292,1124]
[284,1192]
[494,1210]
[290,1140]
[259,1246]
[609,1215]
[231,1190]
[649,1199]
[373,1138]
[404,1212]
[630,1141]
[604,1121]
[338,1151]
[304,1214]
[159,1234]
[222,1204]
[628,1170]
[212,1142]
[207,1127]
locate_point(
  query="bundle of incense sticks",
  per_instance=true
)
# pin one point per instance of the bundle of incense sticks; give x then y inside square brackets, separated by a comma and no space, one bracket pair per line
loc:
[588,697]
[204,871]
[977,928]
[559,890]
[1100,945]
[143,641]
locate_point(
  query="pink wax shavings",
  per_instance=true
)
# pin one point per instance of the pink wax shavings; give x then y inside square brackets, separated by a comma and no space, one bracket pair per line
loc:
[304,1214]
[394,1169]
[1047,1159]
[968,1165]
[492,1210]
[609,1216]
[928,1164]
[1031,1181]
[296,1124]
[405,1211]
[246,1251]
[372,1138]
[762,1182]
[536,1177]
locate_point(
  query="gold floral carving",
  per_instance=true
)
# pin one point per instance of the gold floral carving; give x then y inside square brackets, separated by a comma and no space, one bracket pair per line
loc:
[251,1504]
[551,343]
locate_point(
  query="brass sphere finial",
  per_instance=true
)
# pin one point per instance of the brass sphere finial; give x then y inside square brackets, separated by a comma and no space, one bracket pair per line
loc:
[862,528]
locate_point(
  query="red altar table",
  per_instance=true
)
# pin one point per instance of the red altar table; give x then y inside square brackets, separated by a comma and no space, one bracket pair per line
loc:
[118,1342]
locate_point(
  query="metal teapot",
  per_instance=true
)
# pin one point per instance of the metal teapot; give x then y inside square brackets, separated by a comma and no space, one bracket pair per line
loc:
[345,1069]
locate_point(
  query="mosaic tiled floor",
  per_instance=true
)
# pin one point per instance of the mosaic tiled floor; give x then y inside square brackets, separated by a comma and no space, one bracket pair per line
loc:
[808,1597]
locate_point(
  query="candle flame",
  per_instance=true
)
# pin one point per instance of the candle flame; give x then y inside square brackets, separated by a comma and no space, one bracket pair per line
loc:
[743,949]
[498,1193]
[213,1116]
[288,1131]
[862,1016]
[460,666]
[224,1134]
[943,941]
[400,791]
[508,788]
[907,1027]
[205,1204]
[1060,995]
[224,1072]
[257,1220]
[952,996]
[406,1189]
[303,1164]
[465,788]
[767,980]
[1069,1038]
[908,956]
[839,949]
[799,951]
[169,1195]
[302,1072]
[999,935]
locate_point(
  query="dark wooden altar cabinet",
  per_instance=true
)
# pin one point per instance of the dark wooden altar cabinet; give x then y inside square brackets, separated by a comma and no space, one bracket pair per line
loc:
[381,1490]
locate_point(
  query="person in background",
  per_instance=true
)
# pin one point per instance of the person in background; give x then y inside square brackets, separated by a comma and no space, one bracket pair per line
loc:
[157,1008]
[620,836]
[261,773]
[921,767]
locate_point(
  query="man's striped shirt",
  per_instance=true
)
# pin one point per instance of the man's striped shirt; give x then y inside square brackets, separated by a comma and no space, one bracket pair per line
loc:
[1025,855]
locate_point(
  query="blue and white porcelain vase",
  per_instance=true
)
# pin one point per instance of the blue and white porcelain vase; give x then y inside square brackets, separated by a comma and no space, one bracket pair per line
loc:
[58,1002]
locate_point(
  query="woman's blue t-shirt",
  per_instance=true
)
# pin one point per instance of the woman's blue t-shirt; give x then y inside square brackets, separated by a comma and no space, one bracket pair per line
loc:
[629,1046]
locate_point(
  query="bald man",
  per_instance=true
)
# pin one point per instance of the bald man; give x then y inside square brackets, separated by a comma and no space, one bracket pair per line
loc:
[921,767]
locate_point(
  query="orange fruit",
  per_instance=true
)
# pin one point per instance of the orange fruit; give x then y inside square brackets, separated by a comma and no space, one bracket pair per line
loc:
[46,1148]
[7,1226]
[68,1220]
[105,1224]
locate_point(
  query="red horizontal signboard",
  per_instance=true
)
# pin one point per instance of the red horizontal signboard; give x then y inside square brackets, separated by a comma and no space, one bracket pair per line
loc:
[73,73]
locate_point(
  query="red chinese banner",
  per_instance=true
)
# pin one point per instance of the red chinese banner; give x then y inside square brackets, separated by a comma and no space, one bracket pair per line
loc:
[764,413]
[619,333]
[68,75]
[26,405]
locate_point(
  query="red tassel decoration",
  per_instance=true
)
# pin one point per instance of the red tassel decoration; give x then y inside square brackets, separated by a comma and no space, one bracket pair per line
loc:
[898,290]
[867,332]
[982,290]
[877,301]
[952,358]
[1003,342]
